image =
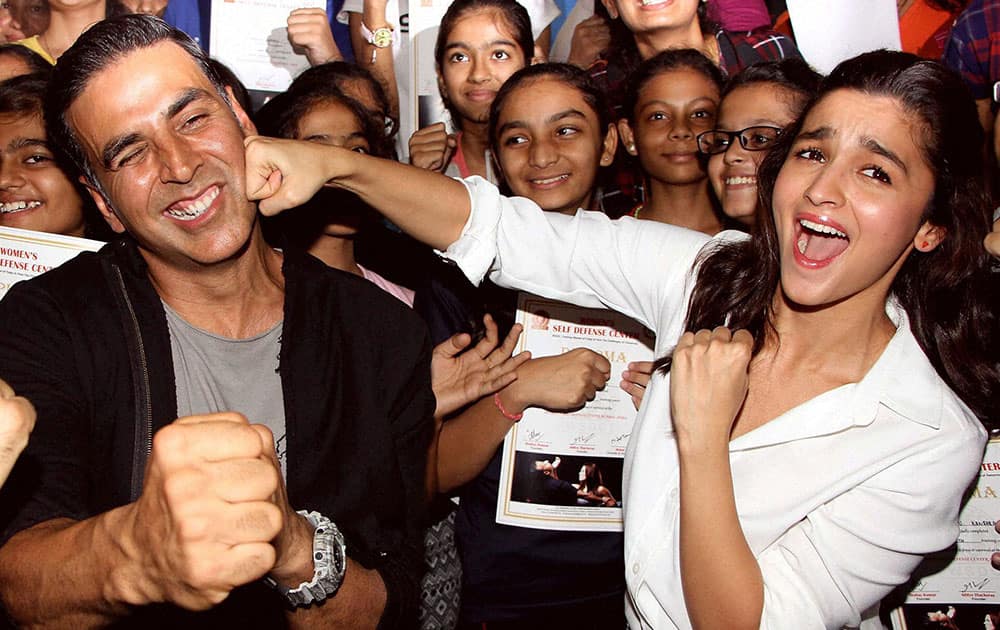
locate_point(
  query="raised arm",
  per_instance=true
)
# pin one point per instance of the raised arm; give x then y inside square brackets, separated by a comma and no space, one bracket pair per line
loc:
[427,205]
[641,269]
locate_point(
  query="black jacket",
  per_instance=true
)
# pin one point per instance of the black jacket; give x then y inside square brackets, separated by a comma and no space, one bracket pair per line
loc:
[88,344]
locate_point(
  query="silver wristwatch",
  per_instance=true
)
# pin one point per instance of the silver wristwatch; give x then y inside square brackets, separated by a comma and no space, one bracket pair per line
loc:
[329,562]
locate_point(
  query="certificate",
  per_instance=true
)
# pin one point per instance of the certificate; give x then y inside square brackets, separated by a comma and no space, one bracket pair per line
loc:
[962,583]
[25,254]
[251,37]
[563,471]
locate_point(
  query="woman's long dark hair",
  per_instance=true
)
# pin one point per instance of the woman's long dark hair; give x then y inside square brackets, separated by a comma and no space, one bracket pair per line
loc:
[949,294]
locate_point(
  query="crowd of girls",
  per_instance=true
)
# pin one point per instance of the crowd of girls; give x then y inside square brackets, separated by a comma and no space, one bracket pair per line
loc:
[809,255]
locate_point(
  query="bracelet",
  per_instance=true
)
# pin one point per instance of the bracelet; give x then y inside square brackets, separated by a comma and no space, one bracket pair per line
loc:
[515,417]
[329,564]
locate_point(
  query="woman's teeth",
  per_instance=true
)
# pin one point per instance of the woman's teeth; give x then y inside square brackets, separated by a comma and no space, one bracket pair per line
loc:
[18,206]
[821,228]
[742,180]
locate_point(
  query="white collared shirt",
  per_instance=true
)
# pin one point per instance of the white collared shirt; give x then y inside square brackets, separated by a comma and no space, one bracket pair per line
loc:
[839,498]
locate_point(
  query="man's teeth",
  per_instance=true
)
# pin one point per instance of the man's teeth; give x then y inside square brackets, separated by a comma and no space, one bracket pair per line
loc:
[550,180]
[819,227]
[18,206]
[647,3]
[195,209]
[737,181]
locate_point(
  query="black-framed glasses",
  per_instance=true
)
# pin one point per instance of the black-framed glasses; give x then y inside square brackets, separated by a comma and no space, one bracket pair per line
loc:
[715,141]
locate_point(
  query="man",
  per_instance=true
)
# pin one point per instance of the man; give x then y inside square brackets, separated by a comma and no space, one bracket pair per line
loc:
[120,511]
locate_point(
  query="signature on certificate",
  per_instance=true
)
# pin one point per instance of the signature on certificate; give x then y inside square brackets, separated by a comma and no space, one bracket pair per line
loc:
[620,439]
[534,435]
[975,585]
[584,438]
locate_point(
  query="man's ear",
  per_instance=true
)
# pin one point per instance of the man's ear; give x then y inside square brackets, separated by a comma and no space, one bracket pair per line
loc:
[928,237]
[103,206]
[627,137]
[249,129]
[612,8]
[610,144]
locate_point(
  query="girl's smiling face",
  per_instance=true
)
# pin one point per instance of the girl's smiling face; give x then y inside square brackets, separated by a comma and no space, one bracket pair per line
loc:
[481,53]
[734,173]
[672,109]
[550,144]
[850,200]
[35,193]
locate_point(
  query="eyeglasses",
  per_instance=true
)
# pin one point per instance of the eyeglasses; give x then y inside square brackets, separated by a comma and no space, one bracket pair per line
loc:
[717,141]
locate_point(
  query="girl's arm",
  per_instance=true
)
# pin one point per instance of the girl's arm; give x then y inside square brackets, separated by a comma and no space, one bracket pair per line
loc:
[466,443]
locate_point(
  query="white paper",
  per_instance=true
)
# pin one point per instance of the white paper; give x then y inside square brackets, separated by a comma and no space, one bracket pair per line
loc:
[251,37]
[962,577]
[596,434]
[25,254]
[830,32]
[425,106]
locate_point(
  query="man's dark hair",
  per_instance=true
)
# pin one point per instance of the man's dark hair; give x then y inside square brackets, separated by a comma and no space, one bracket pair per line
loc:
[96,49]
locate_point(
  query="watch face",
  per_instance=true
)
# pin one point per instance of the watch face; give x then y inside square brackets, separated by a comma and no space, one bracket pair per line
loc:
[382,38]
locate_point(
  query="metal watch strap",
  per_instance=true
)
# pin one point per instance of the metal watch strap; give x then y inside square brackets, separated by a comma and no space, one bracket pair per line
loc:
[329,564]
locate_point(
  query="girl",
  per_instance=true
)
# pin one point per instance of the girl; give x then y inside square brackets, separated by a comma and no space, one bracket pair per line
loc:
[480,44]
[549,131]
[673,98]
[35,193]
[757,106]
[824,446]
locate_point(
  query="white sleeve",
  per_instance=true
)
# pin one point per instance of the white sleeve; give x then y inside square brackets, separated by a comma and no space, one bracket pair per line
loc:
[639,268]
[844,557]
[350,6]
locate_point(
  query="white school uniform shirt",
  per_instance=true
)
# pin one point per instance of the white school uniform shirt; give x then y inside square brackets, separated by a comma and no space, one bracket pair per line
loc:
[839,498]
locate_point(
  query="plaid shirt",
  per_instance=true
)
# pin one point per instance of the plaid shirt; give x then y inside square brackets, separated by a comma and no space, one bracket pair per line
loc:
[621,185]
[973,50]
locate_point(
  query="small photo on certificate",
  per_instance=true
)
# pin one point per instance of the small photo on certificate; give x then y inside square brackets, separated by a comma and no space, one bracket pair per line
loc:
[567,480]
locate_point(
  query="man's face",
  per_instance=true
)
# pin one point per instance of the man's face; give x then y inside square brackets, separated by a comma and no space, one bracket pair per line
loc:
[168,151]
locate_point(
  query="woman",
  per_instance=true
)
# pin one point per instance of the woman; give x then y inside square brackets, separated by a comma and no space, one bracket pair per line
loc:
[823,447]
[591,489]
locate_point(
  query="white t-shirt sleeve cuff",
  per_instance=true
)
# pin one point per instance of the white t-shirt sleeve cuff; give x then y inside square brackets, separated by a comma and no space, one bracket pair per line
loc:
[475,251]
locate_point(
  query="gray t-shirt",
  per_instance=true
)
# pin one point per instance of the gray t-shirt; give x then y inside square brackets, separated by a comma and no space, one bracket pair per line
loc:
[215,373]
